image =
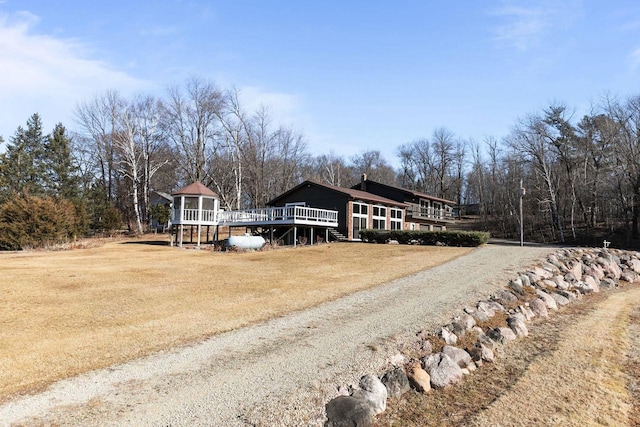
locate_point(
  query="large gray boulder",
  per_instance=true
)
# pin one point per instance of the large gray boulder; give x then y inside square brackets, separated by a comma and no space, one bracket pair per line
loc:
[609,283]
[594,270]
[526,311]
[517,286]
[561,283]
[560,299]
[458,355]
[480,352]
[628,276]
[464,322]
[348,411]
[590,284]
[543,273]
[539,307]
[372,391]
[634,264]
[570,295]
[396,382]
[443,370]
[517,324]
[548,299]
[480,316]
[448,336]
[490,307]
[495,336]
[507,333]
[576,270]
[504,297]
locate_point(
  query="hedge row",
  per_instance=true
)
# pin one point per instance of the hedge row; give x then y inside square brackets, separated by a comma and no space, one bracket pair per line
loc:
[420,237]
[33,222]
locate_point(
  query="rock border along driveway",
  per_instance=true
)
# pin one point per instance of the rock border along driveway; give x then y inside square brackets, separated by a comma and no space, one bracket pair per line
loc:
[279,372]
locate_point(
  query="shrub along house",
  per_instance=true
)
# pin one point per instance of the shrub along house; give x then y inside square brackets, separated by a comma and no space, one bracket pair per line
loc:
[423,212]
[357,210]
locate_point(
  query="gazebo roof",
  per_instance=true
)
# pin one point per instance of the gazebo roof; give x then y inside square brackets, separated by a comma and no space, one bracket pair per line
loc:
[195,189]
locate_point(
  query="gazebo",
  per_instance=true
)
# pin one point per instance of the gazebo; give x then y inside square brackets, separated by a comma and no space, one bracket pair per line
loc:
[194,206]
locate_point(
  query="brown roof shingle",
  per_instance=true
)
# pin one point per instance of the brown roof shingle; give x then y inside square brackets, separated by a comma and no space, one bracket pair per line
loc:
[354,194]
[195,189]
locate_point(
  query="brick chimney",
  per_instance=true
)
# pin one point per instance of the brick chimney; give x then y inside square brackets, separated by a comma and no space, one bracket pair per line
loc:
[363,182]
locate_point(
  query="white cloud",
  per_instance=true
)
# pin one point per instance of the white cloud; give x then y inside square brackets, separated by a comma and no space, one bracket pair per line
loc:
[526,23]
[48,75]
[522,28]
[284,108]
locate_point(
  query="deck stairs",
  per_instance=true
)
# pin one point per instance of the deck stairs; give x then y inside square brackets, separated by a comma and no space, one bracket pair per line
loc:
[337,235]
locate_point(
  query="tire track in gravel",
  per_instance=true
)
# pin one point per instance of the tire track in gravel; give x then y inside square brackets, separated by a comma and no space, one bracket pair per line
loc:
[280,372]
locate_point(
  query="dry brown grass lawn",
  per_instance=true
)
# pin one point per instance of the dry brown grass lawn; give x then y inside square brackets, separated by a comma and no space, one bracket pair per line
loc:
[68,312]
[578,368]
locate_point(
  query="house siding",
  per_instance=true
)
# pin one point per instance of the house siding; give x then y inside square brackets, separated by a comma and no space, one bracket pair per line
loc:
[403,196]
[320,197]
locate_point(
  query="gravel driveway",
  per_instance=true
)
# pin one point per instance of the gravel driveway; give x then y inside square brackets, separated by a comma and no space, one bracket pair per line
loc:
[280,372]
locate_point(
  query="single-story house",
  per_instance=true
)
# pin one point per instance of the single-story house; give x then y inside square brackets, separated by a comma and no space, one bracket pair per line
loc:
[357,210]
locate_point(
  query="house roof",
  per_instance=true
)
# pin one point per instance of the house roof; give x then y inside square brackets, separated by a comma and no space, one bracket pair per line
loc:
[350,192]
[164,195]
[409,192]
[195,189]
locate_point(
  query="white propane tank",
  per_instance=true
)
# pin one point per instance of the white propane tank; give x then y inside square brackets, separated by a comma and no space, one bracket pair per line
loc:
[246,242]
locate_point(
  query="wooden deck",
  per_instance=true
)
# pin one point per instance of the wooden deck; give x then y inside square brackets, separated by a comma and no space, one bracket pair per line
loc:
[287,215]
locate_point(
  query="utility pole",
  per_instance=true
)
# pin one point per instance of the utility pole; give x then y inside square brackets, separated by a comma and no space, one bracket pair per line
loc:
[522,193]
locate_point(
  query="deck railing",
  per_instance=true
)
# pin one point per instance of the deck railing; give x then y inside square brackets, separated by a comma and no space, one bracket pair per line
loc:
[286,214]
[191,215]
[417,211]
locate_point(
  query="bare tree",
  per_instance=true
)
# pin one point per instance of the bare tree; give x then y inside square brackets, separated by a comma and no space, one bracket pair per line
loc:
[528,140]
[190,120]
[443,144]
[330,169]
[130,160]
[98,119]
[374,165]
[148,111]
[625,134]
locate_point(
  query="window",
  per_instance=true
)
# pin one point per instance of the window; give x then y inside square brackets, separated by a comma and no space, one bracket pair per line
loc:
[360,219]
[379,218]
[191,203]
[360,208]
[425,208]
[208,204]
[437,210]
[396,219]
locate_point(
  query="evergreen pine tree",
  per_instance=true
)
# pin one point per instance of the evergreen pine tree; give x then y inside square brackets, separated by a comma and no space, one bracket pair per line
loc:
[23,168]
[61,173]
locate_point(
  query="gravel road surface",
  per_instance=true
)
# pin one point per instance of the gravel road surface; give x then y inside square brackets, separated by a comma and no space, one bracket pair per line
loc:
[280,372]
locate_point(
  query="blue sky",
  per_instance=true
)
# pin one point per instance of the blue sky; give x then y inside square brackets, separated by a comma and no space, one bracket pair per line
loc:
[351,75]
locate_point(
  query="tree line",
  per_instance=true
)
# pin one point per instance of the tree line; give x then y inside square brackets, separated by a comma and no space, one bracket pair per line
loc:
[581,174]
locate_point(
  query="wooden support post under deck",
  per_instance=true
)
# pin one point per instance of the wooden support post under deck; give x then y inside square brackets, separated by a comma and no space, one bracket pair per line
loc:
[326,235]
[181,231]
[295,236]
[199,232]
[311,237]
